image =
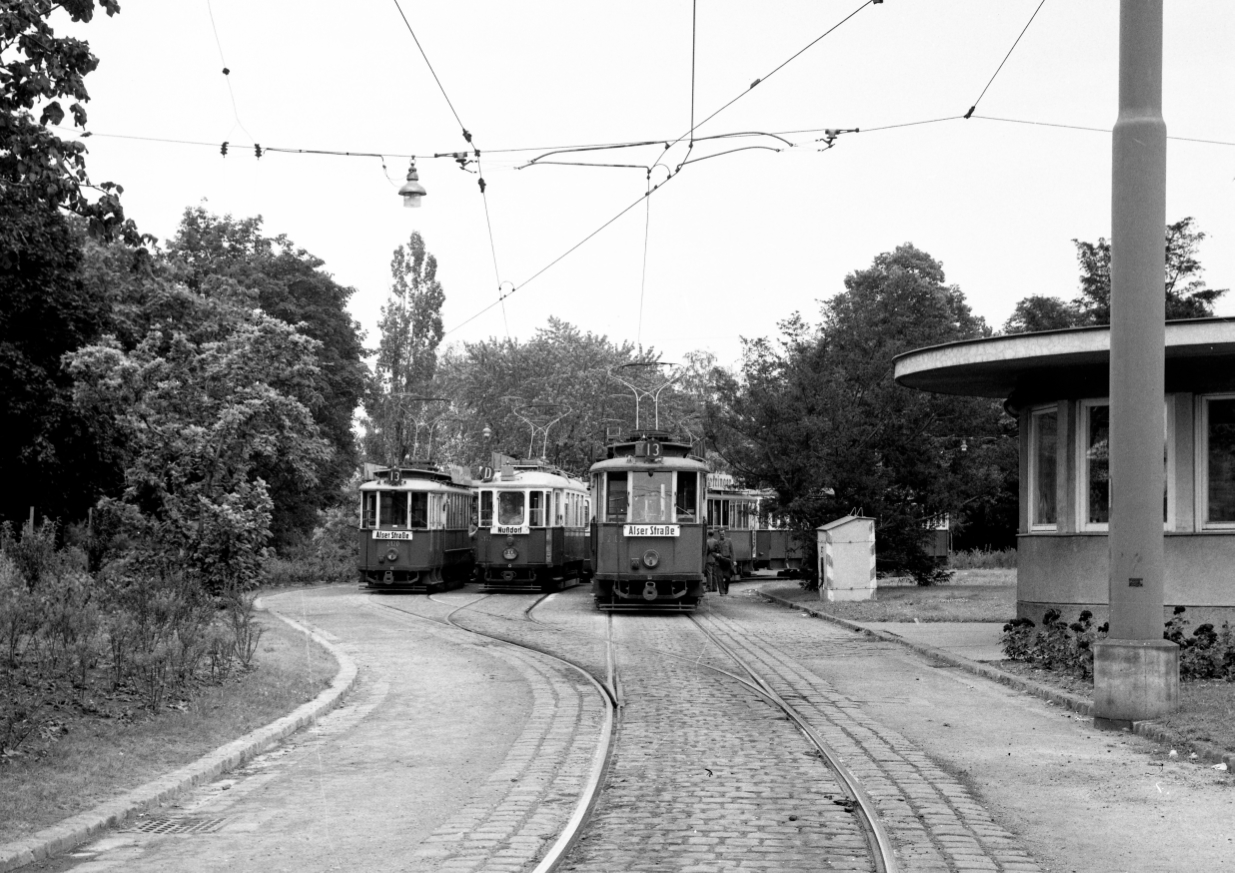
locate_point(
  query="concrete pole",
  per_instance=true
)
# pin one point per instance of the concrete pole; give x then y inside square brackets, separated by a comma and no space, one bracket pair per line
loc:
[1136,672]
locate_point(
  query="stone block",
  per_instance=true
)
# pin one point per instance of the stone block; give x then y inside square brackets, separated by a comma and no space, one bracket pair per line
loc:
[1134,680]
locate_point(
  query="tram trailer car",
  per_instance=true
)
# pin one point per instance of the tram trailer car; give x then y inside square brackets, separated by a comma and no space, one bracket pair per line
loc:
[415,529]
[649,539]
[757,545]
[533,533]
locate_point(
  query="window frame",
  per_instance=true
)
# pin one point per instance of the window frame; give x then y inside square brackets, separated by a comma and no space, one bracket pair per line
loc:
[1202,463]
[1082,464]
[1035,413]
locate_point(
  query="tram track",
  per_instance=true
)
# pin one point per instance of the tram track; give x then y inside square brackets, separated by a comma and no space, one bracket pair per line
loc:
[882,848]
[883,852]
[607,686]
[853,797]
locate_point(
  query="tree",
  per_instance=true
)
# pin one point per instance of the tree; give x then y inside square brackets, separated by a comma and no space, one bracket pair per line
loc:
[493,380]
[1187,295]
[411,330]
[818,418]
[39,70]
[199,405]
[290,284]
[1040,312]
[49,455]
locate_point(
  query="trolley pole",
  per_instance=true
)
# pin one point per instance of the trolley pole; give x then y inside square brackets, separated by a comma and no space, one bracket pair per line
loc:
[1136,671]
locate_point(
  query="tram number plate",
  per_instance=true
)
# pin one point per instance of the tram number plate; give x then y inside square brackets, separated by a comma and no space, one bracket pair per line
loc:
[652,530]
[392,534]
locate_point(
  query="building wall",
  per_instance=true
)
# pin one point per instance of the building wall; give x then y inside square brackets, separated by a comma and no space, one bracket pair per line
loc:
[1069,572]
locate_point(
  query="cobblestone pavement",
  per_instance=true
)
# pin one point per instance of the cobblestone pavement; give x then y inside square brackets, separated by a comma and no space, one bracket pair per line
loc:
[935,821]
[705,776]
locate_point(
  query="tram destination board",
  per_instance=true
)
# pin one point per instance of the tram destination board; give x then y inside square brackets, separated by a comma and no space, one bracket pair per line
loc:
[392,534]
[652,530]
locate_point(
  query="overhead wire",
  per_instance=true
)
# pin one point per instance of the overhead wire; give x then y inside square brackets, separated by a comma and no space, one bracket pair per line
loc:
[1005,59]
[777,69]
[559,258]
[467,136]
[227,77]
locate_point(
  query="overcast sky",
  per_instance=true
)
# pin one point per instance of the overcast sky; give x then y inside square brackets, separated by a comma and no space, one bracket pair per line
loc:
[733,243]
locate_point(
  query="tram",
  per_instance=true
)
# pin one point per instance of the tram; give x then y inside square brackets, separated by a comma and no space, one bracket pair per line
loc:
[649,535]
[533,533]
[415,528]
[757,542]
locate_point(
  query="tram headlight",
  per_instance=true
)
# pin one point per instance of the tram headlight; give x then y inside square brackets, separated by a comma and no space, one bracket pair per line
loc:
[392,555]
[651,558]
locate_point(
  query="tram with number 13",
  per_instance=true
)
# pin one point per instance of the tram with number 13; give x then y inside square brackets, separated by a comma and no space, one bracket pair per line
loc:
[649,536]
[415,529]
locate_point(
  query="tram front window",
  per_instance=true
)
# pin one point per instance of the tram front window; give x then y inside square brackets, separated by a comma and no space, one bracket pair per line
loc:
[651,497]
[368,509]
[486,509]
[510,507]
[393,509]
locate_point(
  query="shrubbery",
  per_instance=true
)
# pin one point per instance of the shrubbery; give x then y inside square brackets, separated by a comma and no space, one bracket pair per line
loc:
[983,559]
[1205,654]
[134,635]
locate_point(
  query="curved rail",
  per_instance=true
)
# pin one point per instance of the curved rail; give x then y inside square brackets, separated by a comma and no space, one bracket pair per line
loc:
[882,850]
[604,750]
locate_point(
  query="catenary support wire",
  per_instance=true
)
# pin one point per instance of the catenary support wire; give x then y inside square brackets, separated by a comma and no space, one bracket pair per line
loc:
[1005,59]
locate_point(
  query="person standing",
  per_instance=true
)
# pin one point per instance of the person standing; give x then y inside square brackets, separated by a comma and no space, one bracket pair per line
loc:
[724,560]
[713,545]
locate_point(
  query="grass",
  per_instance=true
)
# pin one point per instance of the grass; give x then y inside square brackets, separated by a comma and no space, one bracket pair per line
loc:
[1207,708]
[972,595]
[97,759]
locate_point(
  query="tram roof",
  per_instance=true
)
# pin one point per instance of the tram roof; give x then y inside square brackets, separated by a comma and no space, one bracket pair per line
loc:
[415,476]
[521,474]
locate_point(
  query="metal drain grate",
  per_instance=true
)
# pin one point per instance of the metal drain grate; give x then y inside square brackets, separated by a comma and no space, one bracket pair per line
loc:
[178,825]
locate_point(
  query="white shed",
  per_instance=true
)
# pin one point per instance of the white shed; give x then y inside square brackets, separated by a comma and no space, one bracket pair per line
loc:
[847,558]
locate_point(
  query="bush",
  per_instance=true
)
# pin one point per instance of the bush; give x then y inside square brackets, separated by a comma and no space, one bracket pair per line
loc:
[1057,645]
[983,559]
[137,633]
[1206,654]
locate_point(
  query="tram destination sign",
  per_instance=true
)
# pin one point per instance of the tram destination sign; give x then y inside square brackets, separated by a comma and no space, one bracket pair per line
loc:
[653,530]
[392,534]
[509,529]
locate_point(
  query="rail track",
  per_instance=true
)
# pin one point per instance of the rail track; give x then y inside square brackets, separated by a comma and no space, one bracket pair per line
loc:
[549,638]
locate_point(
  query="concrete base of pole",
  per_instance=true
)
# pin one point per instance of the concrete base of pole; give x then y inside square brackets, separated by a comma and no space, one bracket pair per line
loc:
[1134,680]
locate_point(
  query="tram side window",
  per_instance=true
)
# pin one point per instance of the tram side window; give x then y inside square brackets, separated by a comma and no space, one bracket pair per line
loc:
[724,513]
[368,509]
[687,503]
[486,509]
[616,490]
[510,507]
[393,509]
[536,506]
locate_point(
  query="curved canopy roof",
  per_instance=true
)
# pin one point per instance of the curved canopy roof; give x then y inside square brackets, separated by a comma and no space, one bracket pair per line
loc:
[998,366]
